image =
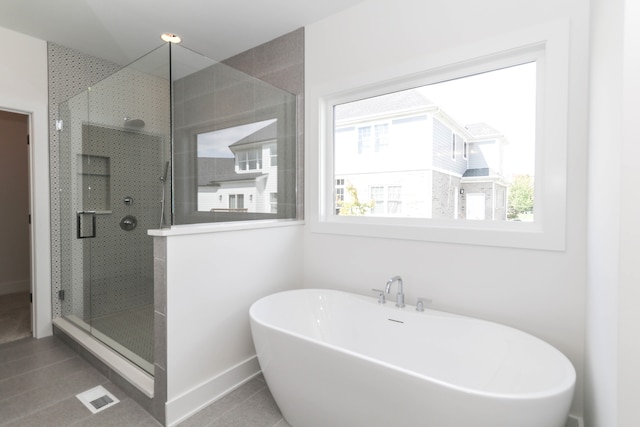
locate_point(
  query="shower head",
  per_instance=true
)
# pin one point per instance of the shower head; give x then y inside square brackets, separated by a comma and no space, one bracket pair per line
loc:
[134,124]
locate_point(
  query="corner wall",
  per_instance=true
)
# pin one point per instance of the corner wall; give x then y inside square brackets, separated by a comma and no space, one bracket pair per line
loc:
[540,292]
[612,349]
[23,89]
[204,347]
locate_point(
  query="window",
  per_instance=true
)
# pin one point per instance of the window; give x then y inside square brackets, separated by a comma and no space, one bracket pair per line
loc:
[376,194]
[386,200]
[453,146]
[394,200]
[524,139]
[236,201]
[373,139]
[339,191]
[249,160]
[485,106]
[273,198]
[273,155]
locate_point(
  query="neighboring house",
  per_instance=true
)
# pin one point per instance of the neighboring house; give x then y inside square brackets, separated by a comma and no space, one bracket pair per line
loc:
[246,180]
[406,154]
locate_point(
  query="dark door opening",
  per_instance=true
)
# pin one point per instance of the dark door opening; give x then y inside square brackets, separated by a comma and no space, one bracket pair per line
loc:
[15,228]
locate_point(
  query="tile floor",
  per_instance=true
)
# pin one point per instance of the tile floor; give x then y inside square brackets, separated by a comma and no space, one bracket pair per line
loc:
[15,316]
[40,378]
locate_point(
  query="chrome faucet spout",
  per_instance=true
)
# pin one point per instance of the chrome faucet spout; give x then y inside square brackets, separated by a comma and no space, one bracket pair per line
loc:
[400,294]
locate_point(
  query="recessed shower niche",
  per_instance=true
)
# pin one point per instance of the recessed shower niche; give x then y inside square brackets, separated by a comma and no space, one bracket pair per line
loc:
[94,182]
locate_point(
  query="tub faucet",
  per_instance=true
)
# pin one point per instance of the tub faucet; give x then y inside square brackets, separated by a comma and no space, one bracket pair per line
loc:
[400,295]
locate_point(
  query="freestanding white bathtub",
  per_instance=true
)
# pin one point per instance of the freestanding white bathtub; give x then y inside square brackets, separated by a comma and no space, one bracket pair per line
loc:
[334,359]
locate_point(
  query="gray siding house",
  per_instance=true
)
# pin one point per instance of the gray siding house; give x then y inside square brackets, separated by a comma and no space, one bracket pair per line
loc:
[413,160]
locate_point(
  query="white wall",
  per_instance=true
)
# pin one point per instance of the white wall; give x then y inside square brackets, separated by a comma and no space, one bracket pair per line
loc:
[212,280]
[612,372]
[629,291]
[541,292]
[23,88]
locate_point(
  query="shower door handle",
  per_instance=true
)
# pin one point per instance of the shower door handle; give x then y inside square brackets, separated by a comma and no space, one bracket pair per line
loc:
[86,224]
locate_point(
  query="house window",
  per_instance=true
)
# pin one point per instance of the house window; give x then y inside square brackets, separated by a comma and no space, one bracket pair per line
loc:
[339,191]
[249,160]
[453,146]
[236,201]
[273,199]
[273,155]
[506,109]
[376,194]
[373,139]
[385,200]
[394,200]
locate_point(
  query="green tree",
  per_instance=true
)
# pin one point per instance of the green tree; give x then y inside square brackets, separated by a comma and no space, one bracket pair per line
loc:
[351,205]
[520,197]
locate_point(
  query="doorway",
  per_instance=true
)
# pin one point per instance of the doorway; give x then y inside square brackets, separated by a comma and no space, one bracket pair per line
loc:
[15,229]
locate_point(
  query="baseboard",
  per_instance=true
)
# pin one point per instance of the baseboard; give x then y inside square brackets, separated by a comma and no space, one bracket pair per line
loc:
[574,421]
[182,407]
[14,287]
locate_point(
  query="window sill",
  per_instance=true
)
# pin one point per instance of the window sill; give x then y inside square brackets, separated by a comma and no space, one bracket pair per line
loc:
[182,230]
[481,233]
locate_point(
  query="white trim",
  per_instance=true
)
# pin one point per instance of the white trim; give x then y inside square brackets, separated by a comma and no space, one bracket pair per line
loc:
[187,404]
[574,421]
[548,45]
[219,227]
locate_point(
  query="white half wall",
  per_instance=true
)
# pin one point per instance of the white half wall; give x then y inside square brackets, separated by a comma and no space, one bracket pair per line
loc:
[540,292]
[23,89]
[212,280]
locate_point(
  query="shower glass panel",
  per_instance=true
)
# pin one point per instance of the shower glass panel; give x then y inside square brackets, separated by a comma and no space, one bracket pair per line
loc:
[114,173]
[172,138]
[234,139]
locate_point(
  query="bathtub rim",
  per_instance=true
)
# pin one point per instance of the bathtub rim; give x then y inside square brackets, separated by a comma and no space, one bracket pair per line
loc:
[567,386]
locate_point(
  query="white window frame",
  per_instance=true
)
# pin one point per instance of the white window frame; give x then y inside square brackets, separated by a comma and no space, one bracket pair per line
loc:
[548,45]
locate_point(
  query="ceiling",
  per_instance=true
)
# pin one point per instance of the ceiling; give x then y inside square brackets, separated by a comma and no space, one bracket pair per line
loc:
[123,30]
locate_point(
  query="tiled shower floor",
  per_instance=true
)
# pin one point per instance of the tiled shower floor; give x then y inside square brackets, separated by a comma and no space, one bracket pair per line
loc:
[132,329]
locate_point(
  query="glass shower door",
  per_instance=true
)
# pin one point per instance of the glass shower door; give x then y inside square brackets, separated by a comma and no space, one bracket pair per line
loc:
[114,172]
[75,253]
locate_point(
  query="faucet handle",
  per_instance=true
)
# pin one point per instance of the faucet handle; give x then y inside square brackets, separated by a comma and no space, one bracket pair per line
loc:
[421,302]
[381,297]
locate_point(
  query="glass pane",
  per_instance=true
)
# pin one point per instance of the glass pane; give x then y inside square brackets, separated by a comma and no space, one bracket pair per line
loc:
[233,135]
[73,197]
[432,151]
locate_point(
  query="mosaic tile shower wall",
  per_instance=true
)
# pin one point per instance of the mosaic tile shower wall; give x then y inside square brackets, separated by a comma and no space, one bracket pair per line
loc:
[70,73]
[115,171]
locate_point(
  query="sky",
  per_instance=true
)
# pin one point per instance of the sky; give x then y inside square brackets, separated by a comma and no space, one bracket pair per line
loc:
[504,99]
[216,143]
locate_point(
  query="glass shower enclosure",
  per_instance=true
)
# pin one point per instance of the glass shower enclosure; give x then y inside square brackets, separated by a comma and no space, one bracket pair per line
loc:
[114,157]
[173,138]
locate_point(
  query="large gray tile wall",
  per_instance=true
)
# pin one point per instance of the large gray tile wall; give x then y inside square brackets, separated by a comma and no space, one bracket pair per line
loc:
[280,63]
[243,89]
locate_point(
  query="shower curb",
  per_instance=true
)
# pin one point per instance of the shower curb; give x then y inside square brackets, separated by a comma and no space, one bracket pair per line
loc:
[137,377]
